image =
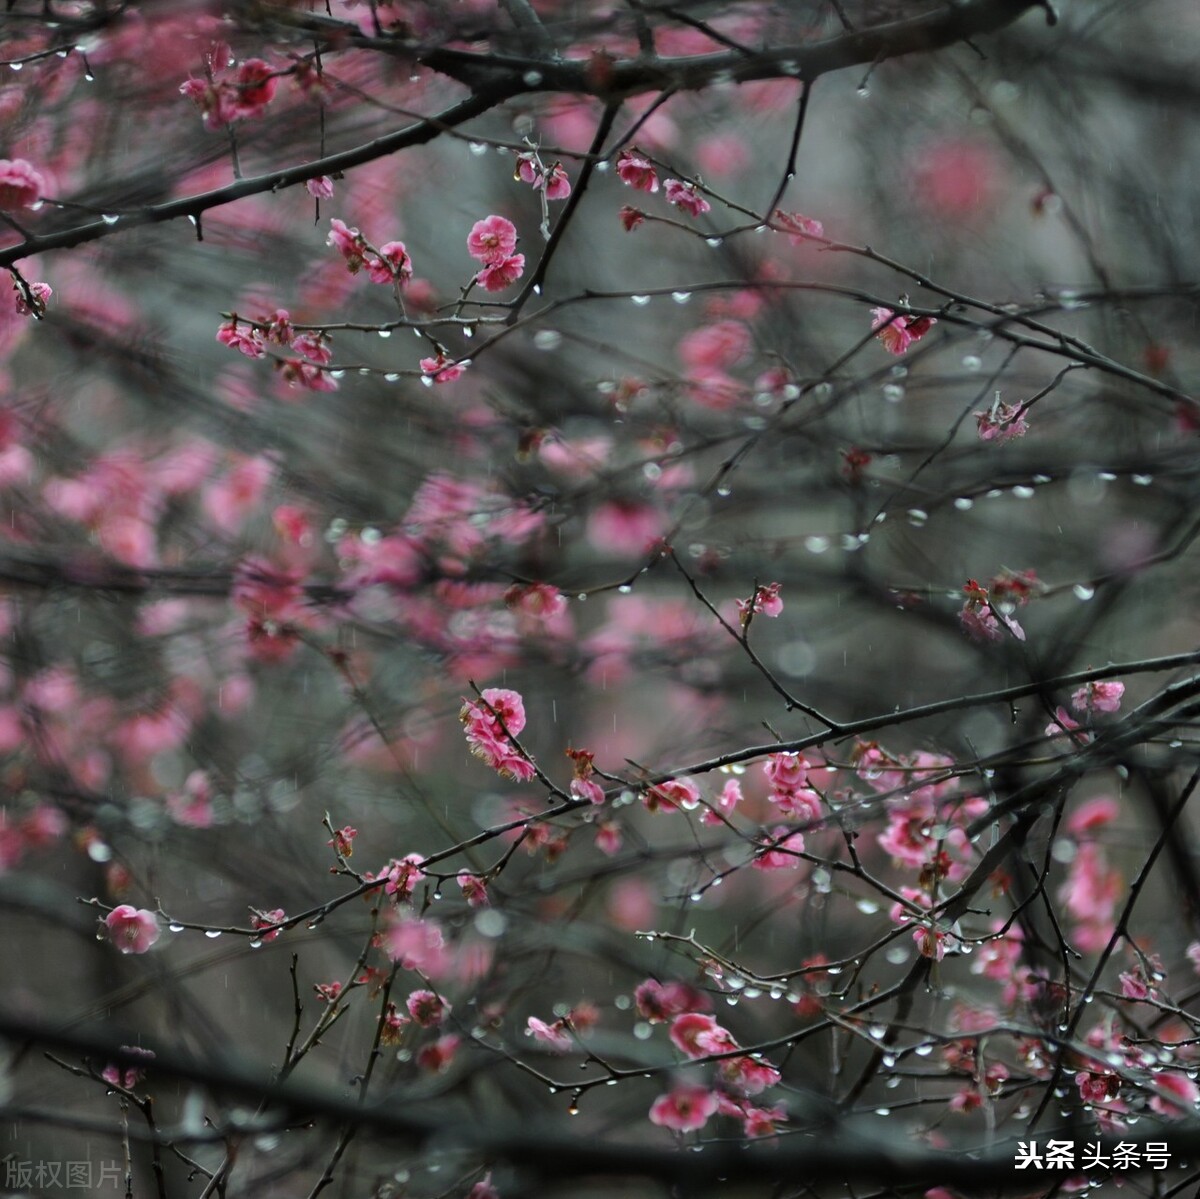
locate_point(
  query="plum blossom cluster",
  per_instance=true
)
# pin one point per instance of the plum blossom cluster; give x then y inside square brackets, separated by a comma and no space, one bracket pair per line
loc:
[442,368]
[1002,422]
[493,242]
[635,170]
[984,615]
[798,227]
[686,197]
[765,601]
[896,331]
[226,96]
[311,351]
[491,723]
[128,1076]
[552,180]
[389,264]
[688,1107]
[583,785]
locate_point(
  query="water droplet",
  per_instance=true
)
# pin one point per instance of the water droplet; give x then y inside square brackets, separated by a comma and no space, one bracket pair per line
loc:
[1023,493]
[532,78]
[15,66]
[547,339]
[724,491]
[581,596]
[867,906]
[816,544]
[641,301]
[877,1031]
[175,928]
[625,589]
[392,377]
[883,1111]
[972,362]
[110,218]
[964,503]
[1083,592]
[478,148]
[212,933]
[713,242]
[256,943]
[923,1050]
[863,91]
[681,297]
[1142,480]
[384,333]
[893,393]
[917,516]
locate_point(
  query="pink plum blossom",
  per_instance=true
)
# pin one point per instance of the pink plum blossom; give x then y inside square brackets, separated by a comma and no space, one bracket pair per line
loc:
[658,1002]
[501,273]
[443,369]
[898,332]
[781,852]
[786,771]
[673,794]
[436,1058]
[1001,422]
[132,930]
[127,1076]
[765,600]
[1098,697]
[799,228]
[245,338]
[32,302]
[417,945]
[631,218]
[554,1035]
[492,240]
[685,197]
[474,888]
[636,170]
[427,1008]
[698,1035]
[483,1189]
[684,1109]
[490,725]
[552,181]
[21,184]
